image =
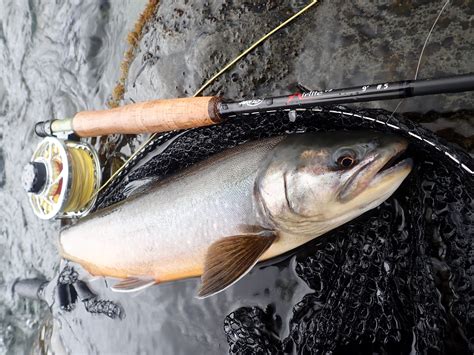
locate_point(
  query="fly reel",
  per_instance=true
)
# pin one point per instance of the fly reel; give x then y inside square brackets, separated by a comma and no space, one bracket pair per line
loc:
[62,178]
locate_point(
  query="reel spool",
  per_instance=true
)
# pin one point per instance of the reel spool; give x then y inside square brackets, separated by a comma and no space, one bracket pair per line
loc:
[62,179]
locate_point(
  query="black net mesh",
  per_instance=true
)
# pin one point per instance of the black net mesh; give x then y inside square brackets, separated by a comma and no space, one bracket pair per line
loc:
[250,330]
[399,278]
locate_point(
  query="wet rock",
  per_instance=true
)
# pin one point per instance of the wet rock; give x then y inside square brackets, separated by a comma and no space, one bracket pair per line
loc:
[335,44]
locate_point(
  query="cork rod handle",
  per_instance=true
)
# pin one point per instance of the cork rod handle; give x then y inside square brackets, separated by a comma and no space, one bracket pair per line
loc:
[149,117]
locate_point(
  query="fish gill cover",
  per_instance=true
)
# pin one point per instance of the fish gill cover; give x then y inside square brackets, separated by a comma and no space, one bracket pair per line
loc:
[397,279]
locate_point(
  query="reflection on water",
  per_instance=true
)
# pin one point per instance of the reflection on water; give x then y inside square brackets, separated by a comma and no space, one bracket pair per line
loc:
[56,59]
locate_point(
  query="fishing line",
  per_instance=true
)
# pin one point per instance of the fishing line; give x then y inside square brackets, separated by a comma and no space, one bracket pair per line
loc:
[423,50]
[253,46]
[212,79]
[84,179]
[428,38]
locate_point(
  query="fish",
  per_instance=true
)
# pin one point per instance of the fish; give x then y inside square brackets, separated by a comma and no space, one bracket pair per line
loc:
[218,218]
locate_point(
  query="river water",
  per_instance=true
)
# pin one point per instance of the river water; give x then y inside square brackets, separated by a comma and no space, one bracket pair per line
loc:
[55,58]
[60,58]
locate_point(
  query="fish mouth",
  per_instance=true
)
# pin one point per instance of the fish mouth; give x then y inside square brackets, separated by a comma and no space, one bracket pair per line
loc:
[385,168]
[395,166]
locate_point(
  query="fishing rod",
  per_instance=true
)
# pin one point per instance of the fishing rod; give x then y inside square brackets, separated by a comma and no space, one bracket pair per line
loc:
[183,113]
[63,177]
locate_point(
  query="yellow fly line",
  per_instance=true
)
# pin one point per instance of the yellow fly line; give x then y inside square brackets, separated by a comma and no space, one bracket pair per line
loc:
[83,180]
[209,82]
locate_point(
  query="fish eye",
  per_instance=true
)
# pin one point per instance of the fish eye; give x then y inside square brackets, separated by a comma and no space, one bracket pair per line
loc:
[346,161]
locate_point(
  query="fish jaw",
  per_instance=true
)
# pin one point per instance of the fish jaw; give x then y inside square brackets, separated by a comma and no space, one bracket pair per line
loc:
[369,172]
[379,182]
[390,179]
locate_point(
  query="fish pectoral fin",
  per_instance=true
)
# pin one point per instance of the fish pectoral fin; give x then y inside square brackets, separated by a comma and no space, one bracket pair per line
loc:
[132,284]
[230,258]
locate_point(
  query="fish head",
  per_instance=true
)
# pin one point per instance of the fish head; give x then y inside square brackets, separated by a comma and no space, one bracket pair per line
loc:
[312,183]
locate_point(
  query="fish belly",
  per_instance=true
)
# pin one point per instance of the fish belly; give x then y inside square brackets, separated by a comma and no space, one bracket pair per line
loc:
[165,232]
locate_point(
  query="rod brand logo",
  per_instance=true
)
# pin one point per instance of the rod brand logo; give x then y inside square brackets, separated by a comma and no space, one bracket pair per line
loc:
[306,95]
[252,103]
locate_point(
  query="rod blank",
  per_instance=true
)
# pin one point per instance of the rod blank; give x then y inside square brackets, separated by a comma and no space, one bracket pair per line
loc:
[176,114]
[363,93]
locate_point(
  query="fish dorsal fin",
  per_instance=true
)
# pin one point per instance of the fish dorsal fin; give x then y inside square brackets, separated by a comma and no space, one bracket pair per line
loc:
[133,284]
[230,258]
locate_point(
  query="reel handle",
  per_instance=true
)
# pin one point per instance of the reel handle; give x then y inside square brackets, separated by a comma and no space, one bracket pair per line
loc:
[148,117]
